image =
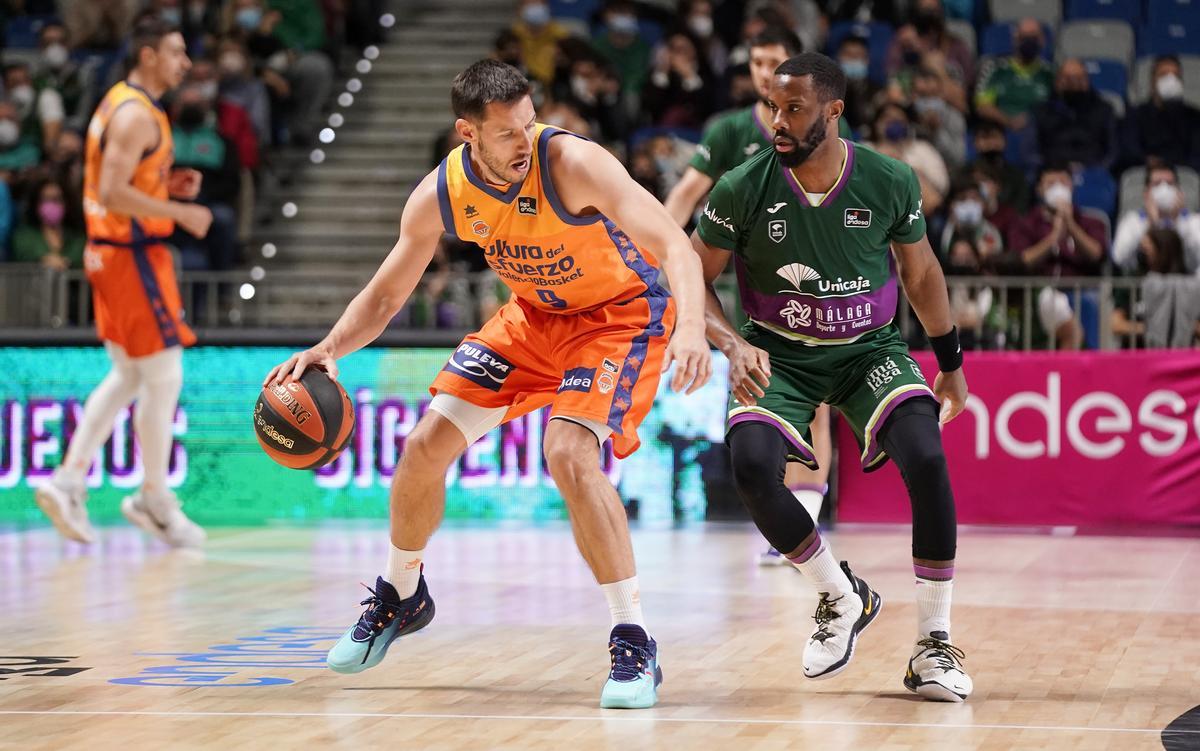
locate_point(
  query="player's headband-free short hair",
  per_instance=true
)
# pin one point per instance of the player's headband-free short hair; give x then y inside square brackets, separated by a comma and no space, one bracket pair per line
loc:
[828,80]
[783,37]
[148,32]
[483,83]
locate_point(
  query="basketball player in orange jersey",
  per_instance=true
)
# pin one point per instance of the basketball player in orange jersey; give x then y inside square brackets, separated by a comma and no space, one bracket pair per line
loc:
[127,192]
[588,331]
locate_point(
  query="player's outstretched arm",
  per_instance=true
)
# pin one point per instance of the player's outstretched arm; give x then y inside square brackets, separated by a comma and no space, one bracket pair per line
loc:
[682,200]
[369,312]
[925,287]
[131,133]
[588,176]
[749,366]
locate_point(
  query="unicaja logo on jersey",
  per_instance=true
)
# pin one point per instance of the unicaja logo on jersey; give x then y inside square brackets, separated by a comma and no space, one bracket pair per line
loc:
[798,273]
[777,229]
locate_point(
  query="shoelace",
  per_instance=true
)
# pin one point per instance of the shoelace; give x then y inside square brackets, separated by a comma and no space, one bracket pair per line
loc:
[824,615]
[945,655]
[371,620]
[628,660]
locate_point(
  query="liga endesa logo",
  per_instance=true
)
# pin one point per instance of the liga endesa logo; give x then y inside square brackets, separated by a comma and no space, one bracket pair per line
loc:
[1158,424]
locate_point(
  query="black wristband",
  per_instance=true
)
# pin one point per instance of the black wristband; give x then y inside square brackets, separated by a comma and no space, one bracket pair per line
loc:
[947,350]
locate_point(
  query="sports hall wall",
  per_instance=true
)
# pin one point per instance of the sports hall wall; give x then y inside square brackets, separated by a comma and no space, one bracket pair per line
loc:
[1094,438]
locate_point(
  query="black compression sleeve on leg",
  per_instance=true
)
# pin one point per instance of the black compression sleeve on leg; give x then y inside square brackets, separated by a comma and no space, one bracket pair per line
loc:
[759,455]
[912,440]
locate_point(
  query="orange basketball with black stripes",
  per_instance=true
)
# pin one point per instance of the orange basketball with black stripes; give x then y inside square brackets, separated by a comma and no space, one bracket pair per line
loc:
[304,424]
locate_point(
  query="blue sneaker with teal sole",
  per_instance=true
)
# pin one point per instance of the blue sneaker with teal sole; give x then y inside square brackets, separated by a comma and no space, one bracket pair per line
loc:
[386,619]
[635,675]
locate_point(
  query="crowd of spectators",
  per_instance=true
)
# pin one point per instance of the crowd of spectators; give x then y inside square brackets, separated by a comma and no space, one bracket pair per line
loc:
[1021,153]
[262,71]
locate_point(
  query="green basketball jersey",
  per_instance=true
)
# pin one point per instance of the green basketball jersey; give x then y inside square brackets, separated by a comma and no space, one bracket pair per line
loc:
[733,138]
[824,273]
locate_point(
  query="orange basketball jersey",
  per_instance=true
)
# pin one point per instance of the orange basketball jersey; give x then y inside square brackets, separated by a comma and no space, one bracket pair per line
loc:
[150,176]
[554,260]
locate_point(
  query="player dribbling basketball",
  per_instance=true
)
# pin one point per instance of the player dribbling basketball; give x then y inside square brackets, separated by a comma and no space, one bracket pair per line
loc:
[588,331]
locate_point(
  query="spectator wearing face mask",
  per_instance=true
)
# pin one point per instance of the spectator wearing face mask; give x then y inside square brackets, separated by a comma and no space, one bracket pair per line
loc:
[1076,125]
[697,18]
[622,47]
[40,112]
[895,136]
[1167,311]
[1010,89]
[1164,127]
[56,71]
[233,122]
[1011,183]
[17,154]
[966,219]
[943,126]
[855,58]
[50,234]
[539,36]
[200,146]
[1163,208]
[1055,238]
[680,92]
[238,85]
[923,42]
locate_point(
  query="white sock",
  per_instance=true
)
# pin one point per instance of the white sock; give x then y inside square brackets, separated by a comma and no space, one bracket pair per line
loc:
[933,606]
[154,417]
[822,570]
[624,601]
[114,393]
[404,570]
[811,500]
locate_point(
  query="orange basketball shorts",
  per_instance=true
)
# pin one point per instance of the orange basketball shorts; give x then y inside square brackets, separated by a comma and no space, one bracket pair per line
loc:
[603,364]
[136,298]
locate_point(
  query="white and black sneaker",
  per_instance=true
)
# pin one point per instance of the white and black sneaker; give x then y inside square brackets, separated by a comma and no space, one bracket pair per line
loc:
[161,514]
[840,619]
[935,670]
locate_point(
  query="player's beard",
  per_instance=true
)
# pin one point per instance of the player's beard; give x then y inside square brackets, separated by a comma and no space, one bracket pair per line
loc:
[498,168]
[802,149]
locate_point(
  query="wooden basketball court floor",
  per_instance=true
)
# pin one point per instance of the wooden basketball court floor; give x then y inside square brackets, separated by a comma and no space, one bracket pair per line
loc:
[1073,643]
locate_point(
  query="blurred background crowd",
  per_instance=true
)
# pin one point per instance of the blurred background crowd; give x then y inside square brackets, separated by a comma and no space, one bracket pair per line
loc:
[1057,139]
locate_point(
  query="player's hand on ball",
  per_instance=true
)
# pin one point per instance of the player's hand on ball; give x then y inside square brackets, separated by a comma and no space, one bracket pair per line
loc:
[951,392]
[749,372]
[292,368]
[688,349]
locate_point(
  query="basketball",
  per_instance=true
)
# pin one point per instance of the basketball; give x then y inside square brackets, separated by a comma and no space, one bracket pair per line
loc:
[304,424]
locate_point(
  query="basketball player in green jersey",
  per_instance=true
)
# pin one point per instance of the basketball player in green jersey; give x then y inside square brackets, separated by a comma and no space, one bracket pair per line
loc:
[822,233]
[728,141]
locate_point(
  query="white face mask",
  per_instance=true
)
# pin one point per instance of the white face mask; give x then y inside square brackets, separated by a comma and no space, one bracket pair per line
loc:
[701,26]
[1169,87]
[968,212]
[1058,195]
[56,55]
[22,96]
[208,89]
[1165,196]
[9,133]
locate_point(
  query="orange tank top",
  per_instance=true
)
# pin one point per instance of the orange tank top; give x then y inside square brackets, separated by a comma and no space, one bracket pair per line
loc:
[150,175]
[554,260]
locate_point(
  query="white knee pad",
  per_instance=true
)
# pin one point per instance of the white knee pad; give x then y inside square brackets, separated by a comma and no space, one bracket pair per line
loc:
[599,429]
[471,420]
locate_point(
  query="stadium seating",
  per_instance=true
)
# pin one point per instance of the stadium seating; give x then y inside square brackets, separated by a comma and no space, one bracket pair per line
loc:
[878,36]
[581,9]
[21,32]
[1095,188]
[1177,37]
[1047,11]
[1163,12]
[1108,75]
[1129,11]
[1098,40]
[964,31]
[997,40]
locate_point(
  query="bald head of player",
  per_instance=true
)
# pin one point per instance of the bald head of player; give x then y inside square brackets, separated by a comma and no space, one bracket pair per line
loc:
[496,118]
[806,99]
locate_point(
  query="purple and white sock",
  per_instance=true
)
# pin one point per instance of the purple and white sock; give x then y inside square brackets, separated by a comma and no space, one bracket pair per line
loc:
[934,589]
[821,568]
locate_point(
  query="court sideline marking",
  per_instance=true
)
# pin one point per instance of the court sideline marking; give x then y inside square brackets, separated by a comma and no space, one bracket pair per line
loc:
[586,718]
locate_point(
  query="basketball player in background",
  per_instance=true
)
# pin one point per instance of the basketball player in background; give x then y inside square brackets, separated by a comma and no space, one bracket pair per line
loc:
[127,197]
[588,331]
[728,141]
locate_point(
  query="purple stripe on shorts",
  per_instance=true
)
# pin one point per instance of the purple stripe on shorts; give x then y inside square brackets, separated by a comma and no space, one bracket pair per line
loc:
[814,486]
[873,447]
[934,574]
[808,552]
[781,426]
